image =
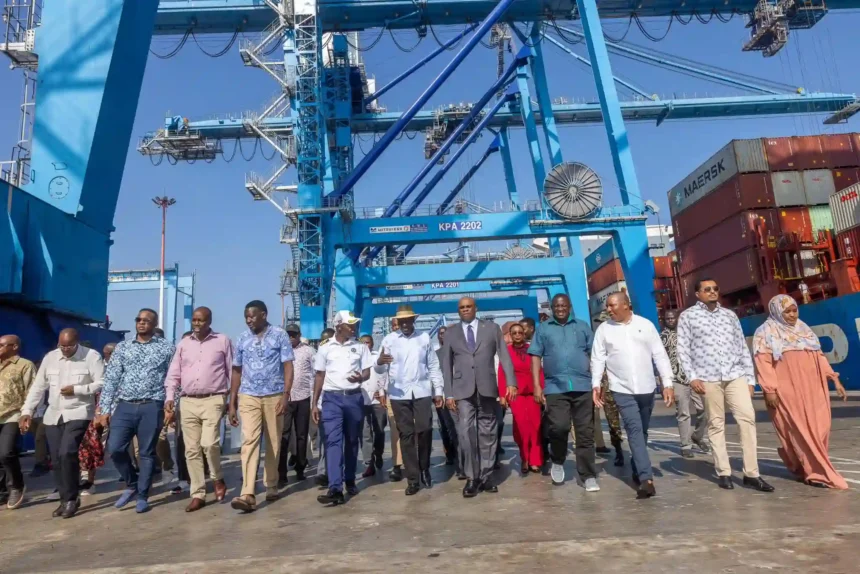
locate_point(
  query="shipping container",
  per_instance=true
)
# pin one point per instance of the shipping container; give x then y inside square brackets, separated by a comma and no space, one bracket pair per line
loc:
[848,244]
[821,218]
[605,276]
[780,155]
[818,186]
[597,302]
[794,153]
[845,177]
[602,254]
[845,208]
[732,235]
[739,271]
[796,220]
[810,263]
[743,192]
[839,150]
[662,267]
[788,188]
[738,156]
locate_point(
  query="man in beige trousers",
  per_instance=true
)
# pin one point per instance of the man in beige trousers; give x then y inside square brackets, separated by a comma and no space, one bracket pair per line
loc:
[200,374]
[259,392]
[714,354]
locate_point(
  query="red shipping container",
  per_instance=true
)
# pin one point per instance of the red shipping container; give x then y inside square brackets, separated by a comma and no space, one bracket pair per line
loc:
[845,177]
[739,271]
[662,267]
[839,151]
[741,193]
[605,276]
[848,244]
[732,235]
[780,156]
[794,153]
[796,220]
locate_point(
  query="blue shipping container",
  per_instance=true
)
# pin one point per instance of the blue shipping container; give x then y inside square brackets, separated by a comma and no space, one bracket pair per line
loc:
[604,253]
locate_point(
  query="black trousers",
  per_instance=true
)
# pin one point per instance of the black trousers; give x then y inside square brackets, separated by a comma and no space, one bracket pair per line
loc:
[500,415]
[448,432]
[415,424]
[375,421]
[10,465]
[561,410]
[64,441]
[298,419]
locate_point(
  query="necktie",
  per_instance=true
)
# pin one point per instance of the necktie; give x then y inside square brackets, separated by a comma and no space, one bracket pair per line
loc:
[470,338]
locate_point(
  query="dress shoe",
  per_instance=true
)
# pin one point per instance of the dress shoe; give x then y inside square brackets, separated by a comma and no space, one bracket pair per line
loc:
[331,498]
[59,511]
[703,445]
[412,488]
[272,494]
[471,489]
[602,450]
[369,471]
[758,484]
[351,488]
[300,475]
[725,482]
[488,487]
[687,453]
[646,490]
[282,482]
[245,503]
[195,505]
[461,475]
[426,479]
[71,508]
[220,490]
[396,474]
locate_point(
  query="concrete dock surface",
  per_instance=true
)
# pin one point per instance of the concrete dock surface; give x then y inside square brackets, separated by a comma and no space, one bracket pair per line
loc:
[529,526]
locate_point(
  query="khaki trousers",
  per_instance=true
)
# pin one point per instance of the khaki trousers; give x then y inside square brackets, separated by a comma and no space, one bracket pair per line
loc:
[258,417]
[396,454]
[202,436]
[736,395]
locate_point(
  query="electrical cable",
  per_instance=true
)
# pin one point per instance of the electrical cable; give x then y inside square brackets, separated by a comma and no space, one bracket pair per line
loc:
[235,146]
[153,162]
[253,152]
[175,50]
[403,49]
[627,31]
[441,43]
[647,34]
[702,20]
[681,20]
[562,35]
[262,153]
[526,42]
[216,54]
[372,44]
[723,19]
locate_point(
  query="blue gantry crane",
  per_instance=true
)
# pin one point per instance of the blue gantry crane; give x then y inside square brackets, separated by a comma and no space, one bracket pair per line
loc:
[89,59]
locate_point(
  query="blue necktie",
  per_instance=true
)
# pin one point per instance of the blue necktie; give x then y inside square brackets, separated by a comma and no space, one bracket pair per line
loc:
[470,338]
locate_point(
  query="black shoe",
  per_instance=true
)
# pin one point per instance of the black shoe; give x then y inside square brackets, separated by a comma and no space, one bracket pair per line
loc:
[331,498]
[396,474]
[322,480]
[687,453]
[646,490]
[59,511]
[426,480]
[602,450]
[462,476]
[725,482]
[70,508]
[282,482]
[471,489]
[300,475]
[757,484]
[412,488]
[351,488]
[619,458]
[488,487]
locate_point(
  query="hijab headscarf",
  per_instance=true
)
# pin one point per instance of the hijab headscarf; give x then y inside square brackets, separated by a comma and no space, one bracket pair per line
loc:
[776,336]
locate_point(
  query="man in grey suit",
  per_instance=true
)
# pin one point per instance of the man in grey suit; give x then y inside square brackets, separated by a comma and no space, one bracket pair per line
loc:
[471,390]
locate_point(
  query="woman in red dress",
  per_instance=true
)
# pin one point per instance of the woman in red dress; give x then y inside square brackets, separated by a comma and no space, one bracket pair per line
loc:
[527,415]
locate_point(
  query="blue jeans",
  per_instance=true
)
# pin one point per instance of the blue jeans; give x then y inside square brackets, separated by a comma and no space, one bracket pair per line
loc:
[143,420]
[635,411]
[341,417]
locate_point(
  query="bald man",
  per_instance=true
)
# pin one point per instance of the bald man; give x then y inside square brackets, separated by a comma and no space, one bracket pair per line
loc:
[16,377]
[72,375]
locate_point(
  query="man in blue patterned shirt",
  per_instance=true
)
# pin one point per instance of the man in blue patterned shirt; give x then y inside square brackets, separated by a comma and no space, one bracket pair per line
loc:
[260,391]
[132,403]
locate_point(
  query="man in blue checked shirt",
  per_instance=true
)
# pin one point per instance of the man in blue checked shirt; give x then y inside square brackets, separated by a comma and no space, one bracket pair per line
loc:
[132,403]
[260,390]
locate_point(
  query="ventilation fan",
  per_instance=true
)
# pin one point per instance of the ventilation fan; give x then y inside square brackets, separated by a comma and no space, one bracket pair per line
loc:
[573,190]
[519,252]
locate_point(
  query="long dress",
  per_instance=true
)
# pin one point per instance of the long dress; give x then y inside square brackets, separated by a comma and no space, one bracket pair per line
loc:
[526,412]
[802,419]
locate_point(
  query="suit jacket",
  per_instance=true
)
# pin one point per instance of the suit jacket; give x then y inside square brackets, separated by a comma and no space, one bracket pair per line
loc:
[465,372]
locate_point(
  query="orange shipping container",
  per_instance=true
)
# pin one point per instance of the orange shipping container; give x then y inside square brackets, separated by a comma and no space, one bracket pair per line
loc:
[795,220]
[662,267]
[739,271]
[839,151]
[605,276]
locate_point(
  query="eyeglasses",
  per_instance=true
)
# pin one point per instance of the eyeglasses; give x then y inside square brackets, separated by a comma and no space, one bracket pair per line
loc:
[713,289]
[142,320]
[292,334]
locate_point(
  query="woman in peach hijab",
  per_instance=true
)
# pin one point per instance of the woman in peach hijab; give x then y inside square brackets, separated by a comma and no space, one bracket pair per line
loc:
[794,374]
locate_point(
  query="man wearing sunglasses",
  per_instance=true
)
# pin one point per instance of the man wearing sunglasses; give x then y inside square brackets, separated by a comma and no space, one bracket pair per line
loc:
[714,355]
[132,403]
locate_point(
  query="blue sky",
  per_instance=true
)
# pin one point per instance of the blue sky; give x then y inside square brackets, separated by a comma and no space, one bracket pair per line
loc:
[231,242]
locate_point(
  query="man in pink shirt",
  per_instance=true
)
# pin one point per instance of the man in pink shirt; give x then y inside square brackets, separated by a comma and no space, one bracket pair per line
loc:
[200,374]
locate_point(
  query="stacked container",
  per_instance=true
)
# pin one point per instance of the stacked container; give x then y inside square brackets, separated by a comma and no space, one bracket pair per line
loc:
[748,195]
[845,209]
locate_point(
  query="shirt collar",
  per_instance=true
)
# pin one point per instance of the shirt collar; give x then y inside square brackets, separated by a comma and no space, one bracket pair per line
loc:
[473,323]
[11,360]
[704,307]
[211,335]
[570,320]
[78,354]
[345,343]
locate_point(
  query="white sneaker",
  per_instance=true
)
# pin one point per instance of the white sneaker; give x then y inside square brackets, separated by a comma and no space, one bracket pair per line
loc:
[54,496]
[591,485]
[557,474]
[90,491]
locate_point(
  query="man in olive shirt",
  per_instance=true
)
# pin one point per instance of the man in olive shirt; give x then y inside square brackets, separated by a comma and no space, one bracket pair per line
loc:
[16,377]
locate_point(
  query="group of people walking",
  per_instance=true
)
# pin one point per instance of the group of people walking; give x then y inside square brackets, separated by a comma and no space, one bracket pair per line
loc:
[552,378]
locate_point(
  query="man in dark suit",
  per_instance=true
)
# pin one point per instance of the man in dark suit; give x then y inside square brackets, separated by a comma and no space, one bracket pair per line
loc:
[448,423]
[471,389]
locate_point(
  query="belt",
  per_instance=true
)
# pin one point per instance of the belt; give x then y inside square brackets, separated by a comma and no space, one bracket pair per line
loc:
[349,392]
[137,401]
[204,395]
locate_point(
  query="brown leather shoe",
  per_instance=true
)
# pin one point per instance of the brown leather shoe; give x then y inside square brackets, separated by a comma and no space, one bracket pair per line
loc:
[220,490]
[195,505]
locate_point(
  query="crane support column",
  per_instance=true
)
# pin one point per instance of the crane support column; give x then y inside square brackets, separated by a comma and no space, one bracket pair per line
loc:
[632,246]
[508,166]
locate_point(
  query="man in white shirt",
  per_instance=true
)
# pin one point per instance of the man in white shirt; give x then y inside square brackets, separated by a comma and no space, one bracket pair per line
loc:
[341,365]
[626,347]
[72,375]
[375,414]
[414,387]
